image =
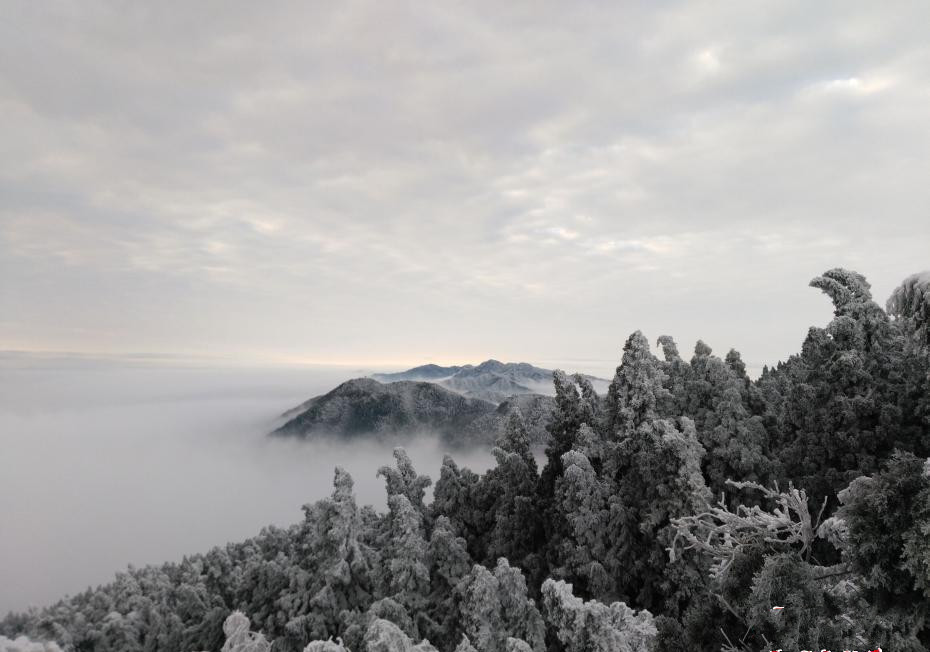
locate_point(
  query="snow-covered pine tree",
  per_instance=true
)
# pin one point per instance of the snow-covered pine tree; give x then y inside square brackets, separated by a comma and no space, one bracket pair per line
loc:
[495,607]
[652,468]
[592,626]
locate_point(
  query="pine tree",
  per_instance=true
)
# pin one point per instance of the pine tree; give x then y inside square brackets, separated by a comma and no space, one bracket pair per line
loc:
[590,401]
[678,377]
[239,638]
[495,607]
[385,636]
[449,562]
[736,448]
[592,626]
[636,392]
[405,574]
[405,480]
[652,468]
[335,555]
[886,518]
[563,429]
[458,497]
[480,609]
[582,502]
[517,527]
[710,377]
[853,395]
[910,303]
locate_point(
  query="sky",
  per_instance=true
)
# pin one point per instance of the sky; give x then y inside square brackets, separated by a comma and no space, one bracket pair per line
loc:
[396,183]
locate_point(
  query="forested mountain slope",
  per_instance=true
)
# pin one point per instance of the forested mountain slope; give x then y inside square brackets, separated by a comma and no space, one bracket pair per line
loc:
[394,411]
[675,512]
[465,405]
[366,407]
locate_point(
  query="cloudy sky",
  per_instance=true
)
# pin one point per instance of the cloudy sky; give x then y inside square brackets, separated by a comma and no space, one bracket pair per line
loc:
[399,182]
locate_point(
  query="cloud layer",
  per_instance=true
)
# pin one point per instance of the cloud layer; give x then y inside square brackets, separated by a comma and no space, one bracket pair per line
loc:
[371,181]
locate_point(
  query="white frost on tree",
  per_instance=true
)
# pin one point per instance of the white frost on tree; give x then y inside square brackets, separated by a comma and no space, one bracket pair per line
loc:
[581,497]
[24,644]
[637,390]
[405,480]
[406,574]
[910,301]
[385,636]
[325,646]
[239,638]
[495,607]
[725,535]
[593,626]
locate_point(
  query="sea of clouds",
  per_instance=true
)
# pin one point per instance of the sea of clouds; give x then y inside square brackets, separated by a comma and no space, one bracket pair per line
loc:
[108,463]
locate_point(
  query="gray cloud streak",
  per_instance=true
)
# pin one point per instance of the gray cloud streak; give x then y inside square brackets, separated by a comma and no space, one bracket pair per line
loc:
[363,181]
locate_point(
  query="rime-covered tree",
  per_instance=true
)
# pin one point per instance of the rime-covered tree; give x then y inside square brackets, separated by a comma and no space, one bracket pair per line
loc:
[854,394]
[582,500]
[449,562]
[483,568]
[657,477]
[405,480]
[325,646]
[715,394]
[563,432]
[563,428]
[495,607]
[336,578]
[592,626]
[24,644]
[677,376]
[405,574]
[636,392]
[239,638]
[652,470]
[459,496]
[910,303]
[735,363]
[886,522]
[385,636]
[736,447]
[517,527]
[763,557]
[709,377]
[590,403]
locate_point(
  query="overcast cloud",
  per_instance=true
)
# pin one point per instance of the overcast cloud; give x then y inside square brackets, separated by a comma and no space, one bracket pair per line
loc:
[376,182]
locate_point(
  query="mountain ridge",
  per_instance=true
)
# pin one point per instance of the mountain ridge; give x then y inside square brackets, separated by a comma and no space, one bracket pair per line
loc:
[491,380]
[462,404]
[364,406]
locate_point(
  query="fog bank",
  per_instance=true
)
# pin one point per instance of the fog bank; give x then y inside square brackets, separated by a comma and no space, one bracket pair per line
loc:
[105,465]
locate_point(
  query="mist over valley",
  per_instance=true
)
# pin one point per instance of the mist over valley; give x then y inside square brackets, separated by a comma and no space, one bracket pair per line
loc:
[106,464]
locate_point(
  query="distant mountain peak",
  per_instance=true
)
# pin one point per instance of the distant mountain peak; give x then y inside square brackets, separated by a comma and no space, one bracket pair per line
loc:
[462,403]
[491,380]
[364,406]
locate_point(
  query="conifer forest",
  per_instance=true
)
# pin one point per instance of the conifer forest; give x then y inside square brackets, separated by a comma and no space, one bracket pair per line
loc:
[691,507]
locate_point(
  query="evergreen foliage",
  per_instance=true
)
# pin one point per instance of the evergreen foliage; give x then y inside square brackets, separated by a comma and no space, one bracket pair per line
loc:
[679,511]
